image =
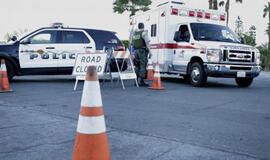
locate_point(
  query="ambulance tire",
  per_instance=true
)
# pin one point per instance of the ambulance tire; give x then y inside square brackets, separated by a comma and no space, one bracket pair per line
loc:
[244,82]
[198,77]
[10,70]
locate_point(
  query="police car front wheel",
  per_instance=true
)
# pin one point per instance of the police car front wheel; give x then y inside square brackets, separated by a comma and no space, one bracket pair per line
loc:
[10,70]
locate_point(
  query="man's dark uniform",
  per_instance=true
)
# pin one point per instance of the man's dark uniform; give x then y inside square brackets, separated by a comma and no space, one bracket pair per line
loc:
[139,40]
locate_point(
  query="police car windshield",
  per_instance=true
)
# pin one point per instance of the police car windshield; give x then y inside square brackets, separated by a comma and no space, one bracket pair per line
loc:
[213,32]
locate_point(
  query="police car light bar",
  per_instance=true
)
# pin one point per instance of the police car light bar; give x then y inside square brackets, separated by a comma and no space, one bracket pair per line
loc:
[57,25]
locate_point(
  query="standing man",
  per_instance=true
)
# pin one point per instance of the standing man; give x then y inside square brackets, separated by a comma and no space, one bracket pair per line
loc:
[141,45]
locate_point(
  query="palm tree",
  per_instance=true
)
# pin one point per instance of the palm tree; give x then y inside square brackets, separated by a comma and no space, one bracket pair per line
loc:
[210,4]
[227,7]
[213,4]
[266,11]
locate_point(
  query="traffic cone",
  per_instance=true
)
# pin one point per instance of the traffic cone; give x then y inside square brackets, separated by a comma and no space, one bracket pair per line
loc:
[4,84]
[157,81]
[150,74]
[91,139]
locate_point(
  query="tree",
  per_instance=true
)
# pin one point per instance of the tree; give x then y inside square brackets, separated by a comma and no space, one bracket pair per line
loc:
[213,4]
[239,27]
[210,4]
[8,36]
[227,7]
[263,48]
[266,12]
[132,6]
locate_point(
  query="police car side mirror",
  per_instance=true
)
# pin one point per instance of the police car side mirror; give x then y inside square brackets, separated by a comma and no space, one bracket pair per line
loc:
[14,38]
[243,40]
[26,41]
[177,37]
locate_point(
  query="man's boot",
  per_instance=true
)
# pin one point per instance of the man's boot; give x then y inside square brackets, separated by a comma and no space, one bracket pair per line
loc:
[142,83]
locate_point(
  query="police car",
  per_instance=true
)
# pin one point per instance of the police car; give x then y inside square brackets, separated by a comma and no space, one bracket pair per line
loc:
[52,50]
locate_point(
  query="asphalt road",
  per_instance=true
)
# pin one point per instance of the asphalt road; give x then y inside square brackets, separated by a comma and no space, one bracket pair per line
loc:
[220,121]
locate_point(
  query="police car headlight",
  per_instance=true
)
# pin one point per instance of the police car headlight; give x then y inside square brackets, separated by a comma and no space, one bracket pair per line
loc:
[258,57]
[214,55]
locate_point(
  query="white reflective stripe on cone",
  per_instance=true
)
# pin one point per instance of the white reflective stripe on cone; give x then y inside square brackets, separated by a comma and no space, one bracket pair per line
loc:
[91,94]
[91,125]
[156,75]
[150,67]
[3,67]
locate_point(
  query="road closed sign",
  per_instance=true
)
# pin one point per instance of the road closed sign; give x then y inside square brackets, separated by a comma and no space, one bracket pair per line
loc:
[85,60]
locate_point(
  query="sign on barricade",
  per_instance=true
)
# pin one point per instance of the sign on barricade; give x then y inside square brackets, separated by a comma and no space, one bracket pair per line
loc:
[83,60]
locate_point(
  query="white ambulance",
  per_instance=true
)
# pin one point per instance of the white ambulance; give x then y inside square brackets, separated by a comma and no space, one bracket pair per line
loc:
[196,44]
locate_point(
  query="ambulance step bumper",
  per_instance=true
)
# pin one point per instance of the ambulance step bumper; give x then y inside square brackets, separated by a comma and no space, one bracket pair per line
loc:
[232,71]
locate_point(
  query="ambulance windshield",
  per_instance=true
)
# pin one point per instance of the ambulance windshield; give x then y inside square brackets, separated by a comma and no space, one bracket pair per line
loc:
[213,32]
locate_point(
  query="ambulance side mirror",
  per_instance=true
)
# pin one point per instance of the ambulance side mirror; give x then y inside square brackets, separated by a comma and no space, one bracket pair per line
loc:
[177,37]
[243,40]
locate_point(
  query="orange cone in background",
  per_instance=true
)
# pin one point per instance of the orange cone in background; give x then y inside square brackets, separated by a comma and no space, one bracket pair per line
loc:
[4,84]
[91,139]
[150,73]
[157,81]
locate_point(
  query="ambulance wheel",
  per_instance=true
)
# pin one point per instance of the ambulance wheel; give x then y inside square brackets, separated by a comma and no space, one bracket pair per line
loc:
[198,77]
[10,70]
[244,82]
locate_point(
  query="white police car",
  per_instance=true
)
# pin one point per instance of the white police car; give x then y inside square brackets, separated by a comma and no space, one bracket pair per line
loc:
[52,50]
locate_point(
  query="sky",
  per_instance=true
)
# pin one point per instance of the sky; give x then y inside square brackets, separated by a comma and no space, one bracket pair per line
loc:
[18,15]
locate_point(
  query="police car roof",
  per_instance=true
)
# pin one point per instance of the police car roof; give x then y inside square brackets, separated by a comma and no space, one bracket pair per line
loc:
[85,29]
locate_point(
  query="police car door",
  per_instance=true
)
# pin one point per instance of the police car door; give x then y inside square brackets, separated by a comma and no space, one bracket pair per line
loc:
[179,54]
[37,50]
[71,43]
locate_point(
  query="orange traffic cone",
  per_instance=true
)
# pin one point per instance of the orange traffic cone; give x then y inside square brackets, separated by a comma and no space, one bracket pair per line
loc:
[91,139]
[157,81]
[4,84]
[150,74]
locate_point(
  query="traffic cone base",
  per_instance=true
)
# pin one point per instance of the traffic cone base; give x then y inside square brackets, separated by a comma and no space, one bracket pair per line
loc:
[4,84]
[91,148]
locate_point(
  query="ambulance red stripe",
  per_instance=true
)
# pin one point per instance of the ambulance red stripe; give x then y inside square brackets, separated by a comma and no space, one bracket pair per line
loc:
[170,46]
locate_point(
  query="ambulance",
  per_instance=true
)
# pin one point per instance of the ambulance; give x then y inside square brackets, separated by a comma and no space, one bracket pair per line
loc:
[196,44]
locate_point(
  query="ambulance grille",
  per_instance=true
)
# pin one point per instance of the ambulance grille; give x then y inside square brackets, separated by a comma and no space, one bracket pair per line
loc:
[239,56]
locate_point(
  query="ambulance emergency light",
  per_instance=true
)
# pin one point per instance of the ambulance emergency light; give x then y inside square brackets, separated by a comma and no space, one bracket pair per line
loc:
[198,14]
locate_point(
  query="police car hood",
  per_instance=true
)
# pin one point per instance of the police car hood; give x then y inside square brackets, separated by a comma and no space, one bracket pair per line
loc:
[225,45]
[6,47]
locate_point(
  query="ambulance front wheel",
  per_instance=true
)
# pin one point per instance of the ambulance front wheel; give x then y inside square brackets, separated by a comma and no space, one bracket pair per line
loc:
[244,82]
[198,77]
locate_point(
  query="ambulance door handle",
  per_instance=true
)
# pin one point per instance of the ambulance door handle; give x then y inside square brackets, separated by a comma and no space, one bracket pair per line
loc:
[174,51]
[88,47]
[50,48]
